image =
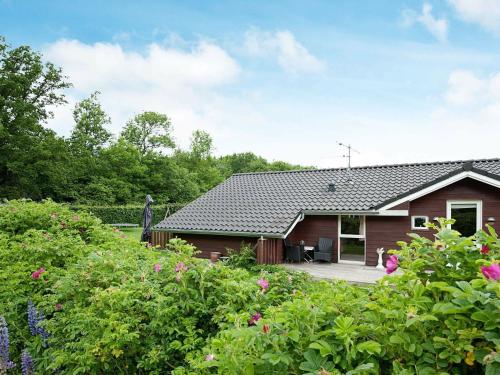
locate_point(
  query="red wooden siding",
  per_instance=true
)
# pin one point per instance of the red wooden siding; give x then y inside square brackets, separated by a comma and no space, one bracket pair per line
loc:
[312,227]
[386,231]
[270,251]
[160,238]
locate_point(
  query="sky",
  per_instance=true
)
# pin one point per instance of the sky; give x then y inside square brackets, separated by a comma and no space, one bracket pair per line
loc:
[401,81]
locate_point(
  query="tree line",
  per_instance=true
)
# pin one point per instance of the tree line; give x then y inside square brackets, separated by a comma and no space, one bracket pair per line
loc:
[93,166]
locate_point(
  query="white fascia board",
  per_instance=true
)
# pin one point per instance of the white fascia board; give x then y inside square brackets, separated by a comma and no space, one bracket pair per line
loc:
[442,184]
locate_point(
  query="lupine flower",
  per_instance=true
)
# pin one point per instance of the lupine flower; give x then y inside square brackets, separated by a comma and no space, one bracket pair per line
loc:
[36,275]
[5,361]
[265,328]
[491,272]
[27,364]
[209,357]
[485,249]
[391,264]
[58,307]
[180,267]
[157,267]
[34,319]
[264,284]
[254,318]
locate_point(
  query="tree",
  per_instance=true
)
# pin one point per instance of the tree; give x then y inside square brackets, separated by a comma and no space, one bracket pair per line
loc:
[149,131]
[89,132]
[28,88]
[201,144]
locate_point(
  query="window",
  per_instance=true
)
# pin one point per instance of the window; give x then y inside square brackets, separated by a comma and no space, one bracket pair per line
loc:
[418,222]
[467,215]
[352,238]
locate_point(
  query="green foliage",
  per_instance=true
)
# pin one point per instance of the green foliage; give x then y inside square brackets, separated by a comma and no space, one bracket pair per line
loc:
[441,316]
[130,213]
[107,308]
[149,131]
[244,257]
[89,133]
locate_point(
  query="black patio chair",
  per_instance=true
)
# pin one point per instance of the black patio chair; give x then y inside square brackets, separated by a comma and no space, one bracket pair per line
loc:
[324,249]
[293,253]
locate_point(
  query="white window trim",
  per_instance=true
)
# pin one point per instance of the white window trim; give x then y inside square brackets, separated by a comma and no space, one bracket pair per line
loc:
[479,210]
[413,227]
[360,236]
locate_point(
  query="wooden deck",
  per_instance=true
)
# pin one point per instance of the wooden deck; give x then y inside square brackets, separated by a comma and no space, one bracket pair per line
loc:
[353,273]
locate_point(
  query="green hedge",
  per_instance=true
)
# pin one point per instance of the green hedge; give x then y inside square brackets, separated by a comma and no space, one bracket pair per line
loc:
[131,213]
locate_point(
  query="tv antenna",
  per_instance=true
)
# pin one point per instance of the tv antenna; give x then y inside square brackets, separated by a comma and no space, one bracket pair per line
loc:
[348,155]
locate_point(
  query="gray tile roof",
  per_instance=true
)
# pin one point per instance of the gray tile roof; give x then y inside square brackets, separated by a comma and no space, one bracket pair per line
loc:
[269,202]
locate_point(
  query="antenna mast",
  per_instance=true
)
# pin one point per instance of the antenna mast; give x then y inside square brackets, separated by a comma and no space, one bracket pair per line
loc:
[348,155]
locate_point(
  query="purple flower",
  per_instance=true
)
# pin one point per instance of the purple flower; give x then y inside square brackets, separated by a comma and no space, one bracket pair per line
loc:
[209,357]
[391,264]
[264,284]
[5,361]
[157,267]
[491,272]
[34,319]
[254,318]
[27,364]
[180,267]
[36,275]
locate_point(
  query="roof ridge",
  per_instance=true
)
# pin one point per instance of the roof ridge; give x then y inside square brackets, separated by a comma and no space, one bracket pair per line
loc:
[369,166]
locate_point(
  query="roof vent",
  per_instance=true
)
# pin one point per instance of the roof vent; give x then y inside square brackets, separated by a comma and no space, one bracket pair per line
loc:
[331,187]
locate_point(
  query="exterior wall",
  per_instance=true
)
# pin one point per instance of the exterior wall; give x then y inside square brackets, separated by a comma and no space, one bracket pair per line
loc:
[312,227]
[206,244]
[386,231]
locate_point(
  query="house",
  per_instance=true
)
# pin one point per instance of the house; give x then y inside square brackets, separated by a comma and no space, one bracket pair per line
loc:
[361,209]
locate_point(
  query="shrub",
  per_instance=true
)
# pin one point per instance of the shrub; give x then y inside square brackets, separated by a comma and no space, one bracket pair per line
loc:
[242,258]
[102,303]
[441,316]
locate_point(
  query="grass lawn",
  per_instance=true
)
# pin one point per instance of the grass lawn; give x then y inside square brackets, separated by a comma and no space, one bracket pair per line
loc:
[132,232]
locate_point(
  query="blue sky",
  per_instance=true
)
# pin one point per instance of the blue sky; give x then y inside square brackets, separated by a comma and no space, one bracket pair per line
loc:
[401,81]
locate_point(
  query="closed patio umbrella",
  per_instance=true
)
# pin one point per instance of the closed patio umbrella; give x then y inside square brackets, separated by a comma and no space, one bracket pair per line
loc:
[147,220]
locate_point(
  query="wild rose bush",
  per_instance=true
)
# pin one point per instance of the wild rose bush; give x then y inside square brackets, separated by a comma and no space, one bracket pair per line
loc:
[441,316]
[79,297]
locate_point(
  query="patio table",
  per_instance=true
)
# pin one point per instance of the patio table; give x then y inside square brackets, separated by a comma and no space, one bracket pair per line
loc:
[308,256]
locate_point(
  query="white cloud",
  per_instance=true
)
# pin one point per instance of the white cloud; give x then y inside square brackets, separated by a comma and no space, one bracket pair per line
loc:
[471,101]
[483,12]
[463,88]
[438,27]
[282,45]
[181,83]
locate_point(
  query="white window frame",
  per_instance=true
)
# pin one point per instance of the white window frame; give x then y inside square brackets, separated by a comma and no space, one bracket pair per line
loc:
[413,227]
[479,210]
[359,236]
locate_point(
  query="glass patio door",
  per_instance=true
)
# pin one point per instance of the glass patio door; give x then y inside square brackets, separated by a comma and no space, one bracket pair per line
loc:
[352,238]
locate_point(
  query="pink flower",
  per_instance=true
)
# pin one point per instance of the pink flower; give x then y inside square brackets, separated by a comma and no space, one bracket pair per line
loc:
[391,264]
[265,328]
[485,249]
[180,267]
[491,272]
[157,267]
[209,357]
[264,284]
[58,307]
[254,318]
[36,275]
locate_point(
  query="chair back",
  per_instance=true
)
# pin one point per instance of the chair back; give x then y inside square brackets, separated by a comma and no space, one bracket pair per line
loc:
[325,245]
